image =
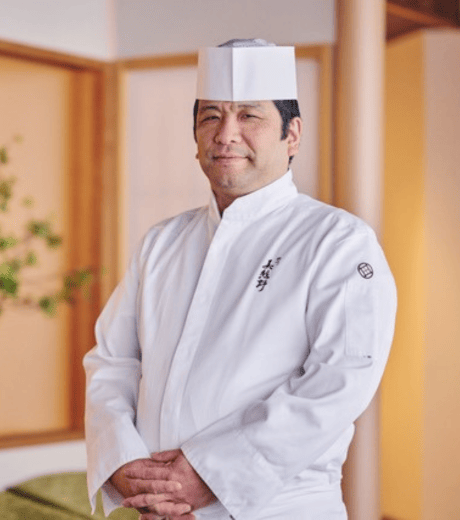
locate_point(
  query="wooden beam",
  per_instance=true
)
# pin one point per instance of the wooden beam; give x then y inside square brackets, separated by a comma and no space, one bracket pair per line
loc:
[419,17]
[14,441]
[158,62]
[29,53]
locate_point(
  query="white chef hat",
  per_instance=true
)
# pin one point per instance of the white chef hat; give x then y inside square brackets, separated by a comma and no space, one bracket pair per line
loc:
[246,70]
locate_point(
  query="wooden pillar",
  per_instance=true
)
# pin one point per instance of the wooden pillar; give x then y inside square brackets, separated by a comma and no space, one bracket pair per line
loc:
[358,181]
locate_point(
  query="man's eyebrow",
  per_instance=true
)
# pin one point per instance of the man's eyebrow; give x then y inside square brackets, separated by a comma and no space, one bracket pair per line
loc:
[208,107]
[249,105]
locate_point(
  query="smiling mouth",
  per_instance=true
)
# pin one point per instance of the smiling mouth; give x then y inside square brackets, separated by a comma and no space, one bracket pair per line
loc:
[227,157]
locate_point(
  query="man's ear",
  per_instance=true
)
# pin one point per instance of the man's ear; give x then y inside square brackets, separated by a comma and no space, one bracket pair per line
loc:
[294,134]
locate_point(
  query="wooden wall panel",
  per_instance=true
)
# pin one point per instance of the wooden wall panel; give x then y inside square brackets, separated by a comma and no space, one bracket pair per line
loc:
[85,199]
[42,392]
[35,103]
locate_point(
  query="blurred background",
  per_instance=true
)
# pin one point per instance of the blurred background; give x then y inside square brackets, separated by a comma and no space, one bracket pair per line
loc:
[96,102]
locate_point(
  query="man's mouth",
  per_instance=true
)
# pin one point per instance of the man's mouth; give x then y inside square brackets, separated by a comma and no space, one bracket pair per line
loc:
[227,157]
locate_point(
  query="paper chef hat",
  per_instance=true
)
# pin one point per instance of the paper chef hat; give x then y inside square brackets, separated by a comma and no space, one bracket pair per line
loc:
[260,71]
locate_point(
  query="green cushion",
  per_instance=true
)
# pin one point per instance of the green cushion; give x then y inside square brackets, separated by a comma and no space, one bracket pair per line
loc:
[55,497]
[14,507]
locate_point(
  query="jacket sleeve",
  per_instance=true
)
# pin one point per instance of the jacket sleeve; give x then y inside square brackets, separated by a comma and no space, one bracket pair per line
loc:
[248,456]
[113,370]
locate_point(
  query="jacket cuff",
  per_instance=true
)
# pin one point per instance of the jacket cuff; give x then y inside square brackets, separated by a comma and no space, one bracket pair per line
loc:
[124,444]
[243,489]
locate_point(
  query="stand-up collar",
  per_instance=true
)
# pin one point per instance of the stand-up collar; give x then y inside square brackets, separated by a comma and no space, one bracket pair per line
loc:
[258,202]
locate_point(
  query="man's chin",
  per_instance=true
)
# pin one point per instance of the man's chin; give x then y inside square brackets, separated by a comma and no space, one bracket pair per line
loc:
[229,173]
[230,166]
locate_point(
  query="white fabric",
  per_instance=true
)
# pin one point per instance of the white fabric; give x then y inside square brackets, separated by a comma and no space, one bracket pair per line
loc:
[246,73]
[259,388]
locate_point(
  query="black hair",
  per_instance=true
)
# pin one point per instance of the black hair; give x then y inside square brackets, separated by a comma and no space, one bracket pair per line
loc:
[288,109]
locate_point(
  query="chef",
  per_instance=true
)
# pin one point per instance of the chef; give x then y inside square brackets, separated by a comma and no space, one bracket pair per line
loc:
[247,336]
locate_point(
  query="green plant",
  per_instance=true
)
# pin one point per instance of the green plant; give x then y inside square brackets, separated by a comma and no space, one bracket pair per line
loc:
[18,256]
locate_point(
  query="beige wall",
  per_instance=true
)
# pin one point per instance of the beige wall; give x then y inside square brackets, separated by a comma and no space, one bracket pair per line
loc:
[109,29]
[34,366]
[83,27]
[420,403]
[145,27]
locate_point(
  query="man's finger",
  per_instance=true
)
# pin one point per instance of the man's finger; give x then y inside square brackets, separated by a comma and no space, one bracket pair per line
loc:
[155,487]
[146,500]
[169,509]
[148,473]
[154,516]
[165,456]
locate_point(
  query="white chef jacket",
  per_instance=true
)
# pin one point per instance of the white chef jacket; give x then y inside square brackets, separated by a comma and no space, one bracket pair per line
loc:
[252,341]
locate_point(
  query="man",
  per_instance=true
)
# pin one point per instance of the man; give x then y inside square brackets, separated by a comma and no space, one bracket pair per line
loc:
[247,336]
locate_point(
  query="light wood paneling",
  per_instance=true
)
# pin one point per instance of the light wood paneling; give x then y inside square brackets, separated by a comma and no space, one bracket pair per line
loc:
[83,154]
[323,55]
[404,240]
[35,103]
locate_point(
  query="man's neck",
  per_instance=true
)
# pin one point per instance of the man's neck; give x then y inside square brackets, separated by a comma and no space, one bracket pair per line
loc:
[223,201]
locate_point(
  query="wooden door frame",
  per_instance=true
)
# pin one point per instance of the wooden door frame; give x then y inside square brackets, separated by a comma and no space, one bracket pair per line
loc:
[92,210]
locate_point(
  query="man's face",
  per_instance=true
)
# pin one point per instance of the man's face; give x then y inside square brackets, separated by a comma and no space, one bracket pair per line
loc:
[240,148]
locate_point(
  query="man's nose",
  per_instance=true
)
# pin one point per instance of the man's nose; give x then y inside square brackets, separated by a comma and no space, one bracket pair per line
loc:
[228,131]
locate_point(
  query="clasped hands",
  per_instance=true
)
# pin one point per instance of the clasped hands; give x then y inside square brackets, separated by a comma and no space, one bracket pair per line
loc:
[164,485]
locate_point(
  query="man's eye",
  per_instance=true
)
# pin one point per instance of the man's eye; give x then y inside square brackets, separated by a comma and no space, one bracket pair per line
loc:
[209,118]
[249,116]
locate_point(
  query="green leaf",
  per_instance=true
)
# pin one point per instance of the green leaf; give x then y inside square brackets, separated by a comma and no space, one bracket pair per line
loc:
[69,283]
[48,305]
[31,258]
[6,242]
[39,228]
[8,281]
[15,265]
[54,240]
[6,192]
[3,155]
[28,202]
[85,277]
[67,296]
[78,278]
[8,285]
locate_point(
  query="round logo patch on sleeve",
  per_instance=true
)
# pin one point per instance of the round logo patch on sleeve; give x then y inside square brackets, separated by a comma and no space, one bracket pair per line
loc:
[365,270]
